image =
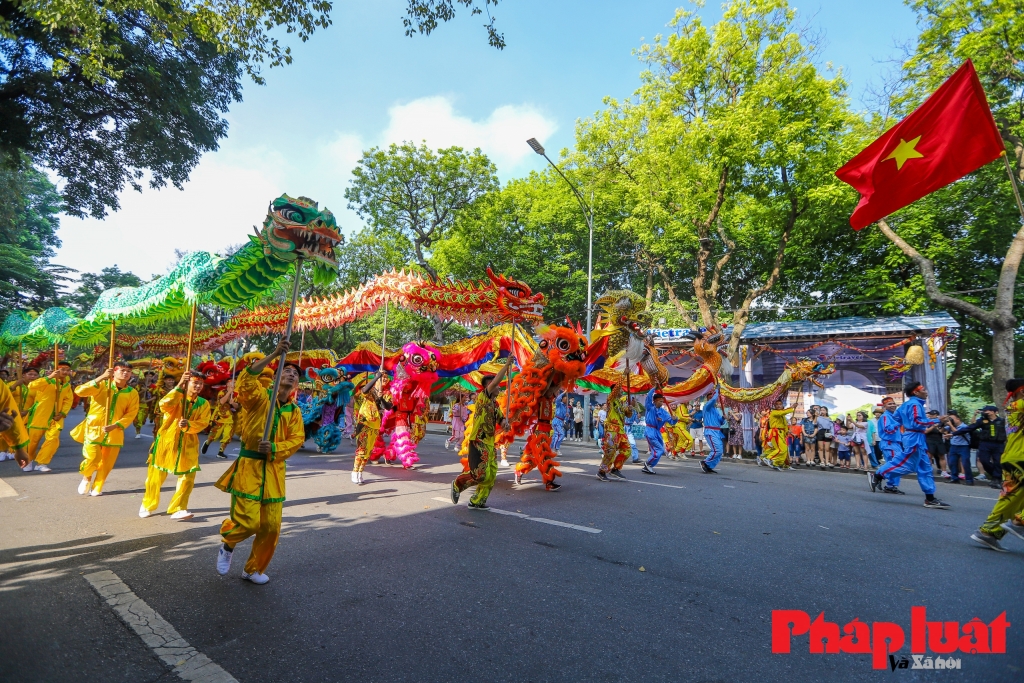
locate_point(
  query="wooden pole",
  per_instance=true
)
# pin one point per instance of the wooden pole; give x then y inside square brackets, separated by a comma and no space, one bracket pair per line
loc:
[110,360]
[302,346]
[508,375]
[384,339]
[280,363]
[56,355]
[191,338]
[21,358]
[1013,184]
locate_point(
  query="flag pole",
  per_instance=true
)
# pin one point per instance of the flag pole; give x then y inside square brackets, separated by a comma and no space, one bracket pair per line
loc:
[272,408]
[1013,184]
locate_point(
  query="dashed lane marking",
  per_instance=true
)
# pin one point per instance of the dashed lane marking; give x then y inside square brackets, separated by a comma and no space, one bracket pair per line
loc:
[187,662]
[961,495]
[542,520]
[633,481]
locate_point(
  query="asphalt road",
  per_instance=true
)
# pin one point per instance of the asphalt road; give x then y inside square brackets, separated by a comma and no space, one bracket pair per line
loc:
[389,582]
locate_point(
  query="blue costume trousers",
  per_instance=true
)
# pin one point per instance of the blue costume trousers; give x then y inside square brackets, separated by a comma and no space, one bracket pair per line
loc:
[714,439]
[557,434]
[912,458]
[656,445]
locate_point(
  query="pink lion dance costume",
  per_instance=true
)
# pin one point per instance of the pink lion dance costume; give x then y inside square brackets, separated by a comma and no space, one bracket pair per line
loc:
[415,374]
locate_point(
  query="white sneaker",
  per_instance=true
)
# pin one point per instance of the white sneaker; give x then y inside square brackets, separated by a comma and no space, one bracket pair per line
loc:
[138,436]
[182,515]
[43,468]
[256,577]
[503,463]
[143,512]
[359,478]
[355,477]
[83,486]
[95,493]
[29,467]
[224,560]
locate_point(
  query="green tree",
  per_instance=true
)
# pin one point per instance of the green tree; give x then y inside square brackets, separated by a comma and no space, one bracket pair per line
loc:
[105,94]
[726,151]
[411,196]
[92,285]
[991,34]
[28,232]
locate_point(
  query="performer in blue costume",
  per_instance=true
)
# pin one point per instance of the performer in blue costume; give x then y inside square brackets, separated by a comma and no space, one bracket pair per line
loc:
[890,434]
[713,421]
[558,424]
[914,457]
[657,416]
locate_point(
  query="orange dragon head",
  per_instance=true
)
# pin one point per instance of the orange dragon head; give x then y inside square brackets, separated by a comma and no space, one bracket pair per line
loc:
[515,300]
[563,348]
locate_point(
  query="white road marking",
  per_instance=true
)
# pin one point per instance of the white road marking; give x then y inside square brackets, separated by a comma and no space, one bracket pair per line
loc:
[961,495]
[542,520]
[635,481]
[188,663]
[728,487]
[6,490]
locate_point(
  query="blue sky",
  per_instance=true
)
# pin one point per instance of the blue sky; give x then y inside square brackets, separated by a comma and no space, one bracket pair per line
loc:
[362,83]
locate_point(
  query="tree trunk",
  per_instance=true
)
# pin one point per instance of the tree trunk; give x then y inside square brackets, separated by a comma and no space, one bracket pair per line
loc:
[670,290]
[650,285]
[439,330]
[1000,319]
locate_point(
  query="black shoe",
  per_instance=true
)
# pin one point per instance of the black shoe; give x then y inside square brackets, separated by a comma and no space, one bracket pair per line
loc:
[647,470]
[455,495]
[874,481]
[220,454]
[954,481]
[989,542]
[705,469]
[553,486]
[206,447]
[618,475]
[892,489]
[602,476]
[477,506]
[936,504]
[968,483]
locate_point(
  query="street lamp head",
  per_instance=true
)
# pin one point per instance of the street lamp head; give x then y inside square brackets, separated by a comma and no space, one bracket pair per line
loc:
[535,146]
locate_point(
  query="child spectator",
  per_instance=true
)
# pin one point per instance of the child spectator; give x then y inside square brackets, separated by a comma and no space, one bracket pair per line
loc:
[795,441]
[843,440]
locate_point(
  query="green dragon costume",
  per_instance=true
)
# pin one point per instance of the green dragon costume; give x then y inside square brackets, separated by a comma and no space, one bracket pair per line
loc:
[294,228]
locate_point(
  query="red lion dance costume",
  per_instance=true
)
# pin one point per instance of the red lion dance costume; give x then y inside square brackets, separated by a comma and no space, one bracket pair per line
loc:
[559,361]
[415,374]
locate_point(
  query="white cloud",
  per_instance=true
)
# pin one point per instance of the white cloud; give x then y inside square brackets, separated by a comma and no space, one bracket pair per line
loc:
[229,190]
[502,135]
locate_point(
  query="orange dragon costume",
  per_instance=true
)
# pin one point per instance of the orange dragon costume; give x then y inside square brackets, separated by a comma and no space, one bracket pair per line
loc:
[559,361]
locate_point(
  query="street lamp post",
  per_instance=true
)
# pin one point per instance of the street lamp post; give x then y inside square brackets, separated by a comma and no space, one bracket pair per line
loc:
[588,214]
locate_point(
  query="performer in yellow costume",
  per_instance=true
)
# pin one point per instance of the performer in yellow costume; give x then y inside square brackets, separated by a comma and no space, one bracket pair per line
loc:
[164,385]
[176,446]
[52,397]
[1007,514]
[615,444]
[112,409]
[679,440]
[13,436]
[776,452]
[223,425]
[147,401]
[368,423]
[255,479]
[22,394]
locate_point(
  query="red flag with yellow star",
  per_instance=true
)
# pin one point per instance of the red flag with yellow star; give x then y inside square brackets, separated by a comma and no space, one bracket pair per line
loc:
[951,134]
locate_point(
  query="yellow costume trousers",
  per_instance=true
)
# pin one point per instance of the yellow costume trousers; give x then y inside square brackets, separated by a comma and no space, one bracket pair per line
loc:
[98,459]
[775,448]
[179,501]
[35,439]
[249,517]
[49,445]
[221,431]
[365,441]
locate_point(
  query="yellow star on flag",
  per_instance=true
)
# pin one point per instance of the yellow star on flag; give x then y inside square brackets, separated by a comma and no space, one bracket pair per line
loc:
[905,150]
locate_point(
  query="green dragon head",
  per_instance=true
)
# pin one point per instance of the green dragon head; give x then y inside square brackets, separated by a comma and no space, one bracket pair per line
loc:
[295,227]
